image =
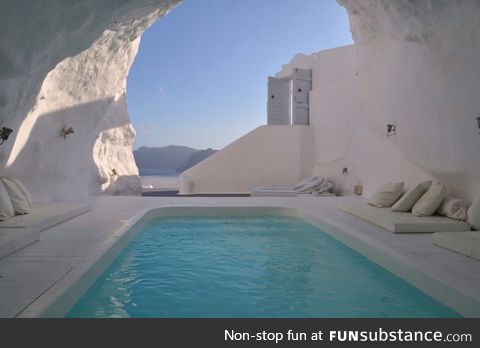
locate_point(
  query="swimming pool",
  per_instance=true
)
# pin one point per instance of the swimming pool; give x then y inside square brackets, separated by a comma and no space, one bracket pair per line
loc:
[247,266]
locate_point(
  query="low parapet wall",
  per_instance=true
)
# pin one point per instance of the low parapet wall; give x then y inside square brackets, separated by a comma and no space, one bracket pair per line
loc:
[267,156]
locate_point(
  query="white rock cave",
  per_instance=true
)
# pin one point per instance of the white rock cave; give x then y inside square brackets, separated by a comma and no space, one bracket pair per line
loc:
[66,64]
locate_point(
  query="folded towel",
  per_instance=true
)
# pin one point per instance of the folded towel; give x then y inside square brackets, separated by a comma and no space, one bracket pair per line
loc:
[327,186]
[311,186]
[320,188]
[309,181]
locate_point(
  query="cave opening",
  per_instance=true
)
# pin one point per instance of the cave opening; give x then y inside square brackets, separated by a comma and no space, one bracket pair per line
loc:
[199,80]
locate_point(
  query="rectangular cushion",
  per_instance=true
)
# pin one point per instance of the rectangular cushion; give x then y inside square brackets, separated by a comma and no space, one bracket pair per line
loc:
[402,222]
[409,199]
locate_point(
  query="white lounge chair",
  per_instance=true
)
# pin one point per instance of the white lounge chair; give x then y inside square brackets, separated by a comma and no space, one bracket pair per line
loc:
[317,185]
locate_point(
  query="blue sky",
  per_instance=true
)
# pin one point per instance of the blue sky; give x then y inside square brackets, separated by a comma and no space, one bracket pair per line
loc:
[200,76]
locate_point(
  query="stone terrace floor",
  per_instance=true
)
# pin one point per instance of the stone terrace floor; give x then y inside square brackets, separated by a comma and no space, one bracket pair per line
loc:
[28,274]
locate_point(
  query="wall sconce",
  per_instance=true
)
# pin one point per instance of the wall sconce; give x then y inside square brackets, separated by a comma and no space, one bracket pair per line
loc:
[66,131]
[345,171]
[391,130]
[478,121]
[5,133]
[358,190]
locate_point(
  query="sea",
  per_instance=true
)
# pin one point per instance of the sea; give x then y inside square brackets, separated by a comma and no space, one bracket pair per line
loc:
[158,179]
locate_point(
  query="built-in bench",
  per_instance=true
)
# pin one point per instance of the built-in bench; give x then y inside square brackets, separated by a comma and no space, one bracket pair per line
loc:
[465,243]
[23,230]
[15,239]
[402,222]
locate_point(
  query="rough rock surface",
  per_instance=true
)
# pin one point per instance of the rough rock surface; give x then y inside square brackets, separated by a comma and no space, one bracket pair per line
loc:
[65,64]
[417,68]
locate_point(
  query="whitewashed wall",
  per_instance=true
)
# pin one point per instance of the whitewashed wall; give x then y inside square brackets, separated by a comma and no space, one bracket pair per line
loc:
[283,155]
[268,155]
[344,134]
[333,102]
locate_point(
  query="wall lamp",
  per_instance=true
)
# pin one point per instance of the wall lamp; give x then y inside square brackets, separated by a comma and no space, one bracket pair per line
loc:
[391,130]
[5,133]
[478,121]
[358,190]
[345,171]
[66,131]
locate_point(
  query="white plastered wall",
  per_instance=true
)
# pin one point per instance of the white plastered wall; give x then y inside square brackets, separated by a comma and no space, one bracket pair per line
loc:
[267,156]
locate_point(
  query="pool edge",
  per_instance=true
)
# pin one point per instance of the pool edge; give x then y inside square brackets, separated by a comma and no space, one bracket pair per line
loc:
[61,296]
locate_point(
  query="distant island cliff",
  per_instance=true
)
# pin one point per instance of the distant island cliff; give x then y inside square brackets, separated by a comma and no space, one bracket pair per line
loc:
[172,158]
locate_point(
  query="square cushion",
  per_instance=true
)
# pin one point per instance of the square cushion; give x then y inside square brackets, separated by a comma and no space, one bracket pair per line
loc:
[409,199]
[21,187]
[430,200]
[387,194]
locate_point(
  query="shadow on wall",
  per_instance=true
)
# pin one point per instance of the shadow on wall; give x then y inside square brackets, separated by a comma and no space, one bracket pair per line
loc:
[57,168]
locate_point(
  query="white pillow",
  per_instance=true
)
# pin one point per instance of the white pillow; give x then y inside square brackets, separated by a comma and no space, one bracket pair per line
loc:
[387,194]
[474,214]
[18,195]
[6,208]
[409,199]
[22,188]
[430,201]
[453,208]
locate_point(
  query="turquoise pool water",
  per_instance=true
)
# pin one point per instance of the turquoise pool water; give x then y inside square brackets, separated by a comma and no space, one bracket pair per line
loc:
[247,267]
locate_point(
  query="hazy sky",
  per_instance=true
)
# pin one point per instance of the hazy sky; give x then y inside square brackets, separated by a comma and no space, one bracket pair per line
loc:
[200,76]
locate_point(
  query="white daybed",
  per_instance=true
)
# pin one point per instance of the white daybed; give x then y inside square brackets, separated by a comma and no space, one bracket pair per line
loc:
[22,230]
[402,222]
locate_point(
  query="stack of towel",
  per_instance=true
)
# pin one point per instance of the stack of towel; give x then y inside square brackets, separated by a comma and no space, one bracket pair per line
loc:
[317,185]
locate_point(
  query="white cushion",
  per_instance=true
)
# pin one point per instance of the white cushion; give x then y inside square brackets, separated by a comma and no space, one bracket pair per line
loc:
[18,195]
[6,208]
[453,208]
[409,199]
[474,214]
[402,222]
[22,188]
[430,200]
[387,194]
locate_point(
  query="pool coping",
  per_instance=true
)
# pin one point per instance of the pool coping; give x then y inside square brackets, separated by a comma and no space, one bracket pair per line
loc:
[57,300]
